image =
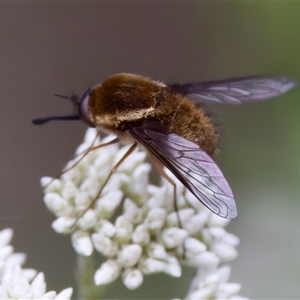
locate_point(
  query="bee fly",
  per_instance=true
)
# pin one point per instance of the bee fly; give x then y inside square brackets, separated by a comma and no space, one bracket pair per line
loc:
[170,122]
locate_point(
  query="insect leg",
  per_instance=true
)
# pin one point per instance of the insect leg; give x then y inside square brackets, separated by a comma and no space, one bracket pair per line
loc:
[92,144]
[159,167]
[87,151]
[83,155]
[112,171]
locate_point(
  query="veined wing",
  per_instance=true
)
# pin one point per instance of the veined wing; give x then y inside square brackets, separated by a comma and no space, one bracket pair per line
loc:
[190,164]
[236,90]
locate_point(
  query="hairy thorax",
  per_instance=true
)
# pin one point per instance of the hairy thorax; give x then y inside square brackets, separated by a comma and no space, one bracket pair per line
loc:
[128,98]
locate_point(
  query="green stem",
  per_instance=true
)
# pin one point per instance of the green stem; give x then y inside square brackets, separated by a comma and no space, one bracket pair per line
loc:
[86,288]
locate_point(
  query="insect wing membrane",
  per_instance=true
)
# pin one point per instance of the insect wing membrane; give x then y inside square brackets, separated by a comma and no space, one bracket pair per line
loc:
[190,164]
[236,90]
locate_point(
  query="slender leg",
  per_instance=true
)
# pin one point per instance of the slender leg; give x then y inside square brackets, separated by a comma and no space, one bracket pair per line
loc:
[83,155]
[159,167]
[112,171]
[92,144]
[87,151]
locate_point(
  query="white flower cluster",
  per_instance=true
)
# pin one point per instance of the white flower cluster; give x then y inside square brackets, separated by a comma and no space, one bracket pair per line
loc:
[18,283]
[212,284]
[133,223]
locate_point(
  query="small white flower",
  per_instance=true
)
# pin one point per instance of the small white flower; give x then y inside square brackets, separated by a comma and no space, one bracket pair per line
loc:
[156,218]
[151,266]
[193,247]
[173,237]
[109,203]
[82,200]
[130,255]
[216,221]
[224,251]
[82,243]
[141,235]
[69,191]
[5,237]
[132,278]
[108,272]
[107,228]
[124,229]
[132,211]
[105,245]
[88,220]
[63,225]
[184,214]
[57,204]
[210,234]
[173,267]
[212,284]
[51,185]
[38,285]
[196,223]
[205,259]
[156,250]
[64,294]
[140,179]
[5,252]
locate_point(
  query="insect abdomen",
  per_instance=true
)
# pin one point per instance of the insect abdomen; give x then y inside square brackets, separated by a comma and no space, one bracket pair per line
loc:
[191,122]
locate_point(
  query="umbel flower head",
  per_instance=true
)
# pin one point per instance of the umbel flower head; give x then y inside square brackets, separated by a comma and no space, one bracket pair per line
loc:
[133,223]
[19,283]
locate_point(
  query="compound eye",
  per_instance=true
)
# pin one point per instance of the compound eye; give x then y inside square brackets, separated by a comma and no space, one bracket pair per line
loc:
[84,108]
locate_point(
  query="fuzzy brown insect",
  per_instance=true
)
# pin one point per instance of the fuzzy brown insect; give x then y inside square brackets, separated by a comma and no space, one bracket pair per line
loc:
[171,123]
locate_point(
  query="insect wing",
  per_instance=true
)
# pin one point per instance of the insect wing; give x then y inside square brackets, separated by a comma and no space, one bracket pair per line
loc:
[190,164]
[236,90]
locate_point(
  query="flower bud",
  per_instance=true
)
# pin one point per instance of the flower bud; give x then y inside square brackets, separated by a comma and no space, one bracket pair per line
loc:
[64,294]
[133,213]
[156,250]
[156,218]
[107,273]
[224,251]
[38,286]
[107,228]
[141,235]
[173,267]
[184,215]
[196,223]
[132,278]
[82,243]
[129,255]
[151,266]
[193,247]
[108,203]
[82,200]
[173,237]
[105,245]
[51,185]
[57,204]
[88,220]
[216,221]
[205,259]
[63,225]
[6,236]
[124,229]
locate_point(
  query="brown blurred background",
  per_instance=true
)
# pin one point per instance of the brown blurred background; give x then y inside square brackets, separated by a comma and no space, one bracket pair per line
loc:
[48,48]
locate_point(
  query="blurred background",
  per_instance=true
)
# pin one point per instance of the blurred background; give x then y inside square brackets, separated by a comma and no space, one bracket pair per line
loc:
[48,48]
